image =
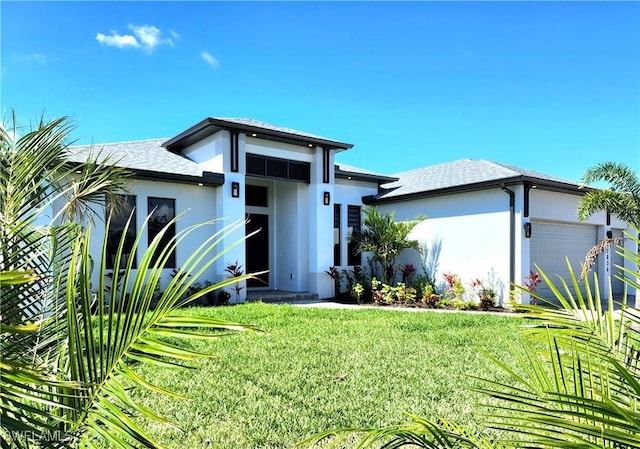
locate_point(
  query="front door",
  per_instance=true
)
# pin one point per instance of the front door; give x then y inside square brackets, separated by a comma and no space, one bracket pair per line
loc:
[257,249]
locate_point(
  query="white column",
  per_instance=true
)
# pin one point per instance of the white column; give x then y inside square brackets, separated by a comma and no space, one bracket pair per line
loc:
[320,226]
[230,210]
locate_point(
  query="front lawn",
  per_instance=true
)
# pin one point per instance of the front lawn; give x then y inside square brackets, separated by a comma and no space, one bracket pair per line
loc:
[315,369]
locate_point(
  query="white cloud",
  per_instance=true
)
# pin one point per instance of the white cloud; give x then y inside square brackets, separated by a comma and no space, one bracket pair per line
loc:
[36,57]
[117,40]
[210,59]
[175,35]
[145,37]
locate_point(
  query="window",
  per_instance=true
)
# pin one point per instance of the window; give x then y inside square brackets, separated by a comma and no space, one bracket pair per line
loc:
[354,220]
[336,236]
[277,168]
[256,196]
[273,167]
[161,212]
[120,211]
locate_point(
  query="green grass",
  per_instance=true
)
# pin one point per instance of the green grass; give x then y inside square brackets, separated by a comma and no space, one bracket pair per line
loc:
[316,369]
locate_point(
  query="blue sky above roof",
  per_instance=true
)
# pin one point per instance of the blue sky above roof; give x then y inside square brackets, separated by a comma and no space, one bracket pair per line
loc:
[548,86]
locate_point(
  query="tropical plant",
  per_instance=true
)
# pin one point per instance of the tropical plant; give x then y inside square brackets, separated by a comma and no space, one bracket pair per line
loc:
[576,383]
[70,351]
[336,275]
[385,239]
[235,270]
[621,199]
[431,259]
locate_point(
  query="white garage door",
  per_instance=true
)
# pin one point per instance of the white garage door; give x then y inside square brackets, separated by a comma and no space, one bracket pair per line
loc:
[552,243]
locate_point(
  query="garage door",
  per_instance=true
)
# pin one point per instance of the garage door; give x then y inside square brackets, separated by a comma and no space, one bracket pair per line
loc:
[552,243]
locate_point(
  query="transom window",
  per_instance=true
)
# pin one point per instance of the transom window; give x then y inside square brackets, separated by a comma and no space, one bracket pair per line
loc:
[276,168]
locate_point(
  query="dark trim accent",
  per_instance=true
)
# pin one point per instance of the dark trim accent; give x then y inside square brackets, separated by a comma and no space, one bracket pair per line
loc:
[380,179]
[608,218]
[234,159]
[540,184]
[512,235]
[326,157]
[210,126]
[337,224]
[208,179]
[256,159]
[527,188]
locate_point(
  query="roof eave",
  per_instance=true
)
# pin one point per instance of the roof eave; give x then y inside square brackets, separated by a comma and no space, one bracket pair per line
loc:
[208,179]
[380,179]
[542,184]
[210,126]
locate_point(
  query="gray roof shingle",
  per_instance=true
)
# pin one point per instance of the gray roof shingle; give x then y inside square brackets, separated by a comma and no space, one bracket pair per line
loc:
[141,155]
[267,126]
[460,173]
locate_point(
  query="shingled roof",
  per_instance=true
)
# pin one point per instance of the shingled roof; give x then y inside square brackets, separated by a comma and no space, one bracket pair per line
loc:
[148,158]
[461,175]
[249,126]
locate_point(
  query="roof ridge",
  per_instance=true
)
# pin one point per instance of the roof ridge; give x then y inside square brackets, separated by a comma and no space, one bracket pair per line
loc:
[122,142]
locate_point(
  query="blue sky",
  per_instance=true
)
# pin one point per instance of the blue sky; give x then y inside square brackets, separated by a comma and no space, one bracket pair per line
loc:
[548,86]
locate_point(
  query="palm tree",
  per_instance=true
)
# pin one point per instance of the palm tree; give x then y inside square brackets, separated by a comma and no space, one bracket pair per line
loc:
[575,383]
[69,354]
[385,239]
[622,199]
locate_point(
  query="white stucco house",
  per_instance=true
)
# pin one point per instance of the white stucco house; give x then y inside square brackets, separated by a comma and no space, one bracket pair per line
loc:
[289,185]
[500,218]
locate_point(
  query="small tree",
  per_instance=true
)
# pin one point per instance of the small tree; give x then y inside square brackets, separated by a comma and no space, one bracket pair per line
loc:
[385,239]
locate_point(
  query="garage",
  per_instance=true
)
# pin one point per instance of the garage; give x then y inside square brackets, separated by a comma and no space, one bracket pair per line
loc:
[552,243]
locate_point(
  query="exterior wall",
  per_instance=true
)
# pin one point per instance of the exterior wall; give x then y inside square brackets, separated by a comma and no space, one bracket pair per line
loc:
[209,152]
[196,202]
[280,150]
[473,227]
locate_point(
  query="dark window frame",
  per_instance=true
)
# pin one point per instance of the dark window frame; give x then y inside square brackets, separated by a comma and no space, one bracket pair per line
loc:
[356,225]
[168,236]
[117,224]
[337,246]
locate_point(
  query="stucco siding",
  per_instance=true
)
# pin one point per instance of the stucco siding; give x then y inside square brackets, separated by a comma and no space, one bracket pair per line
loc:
[209,152]
[473,227]
[279,150]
